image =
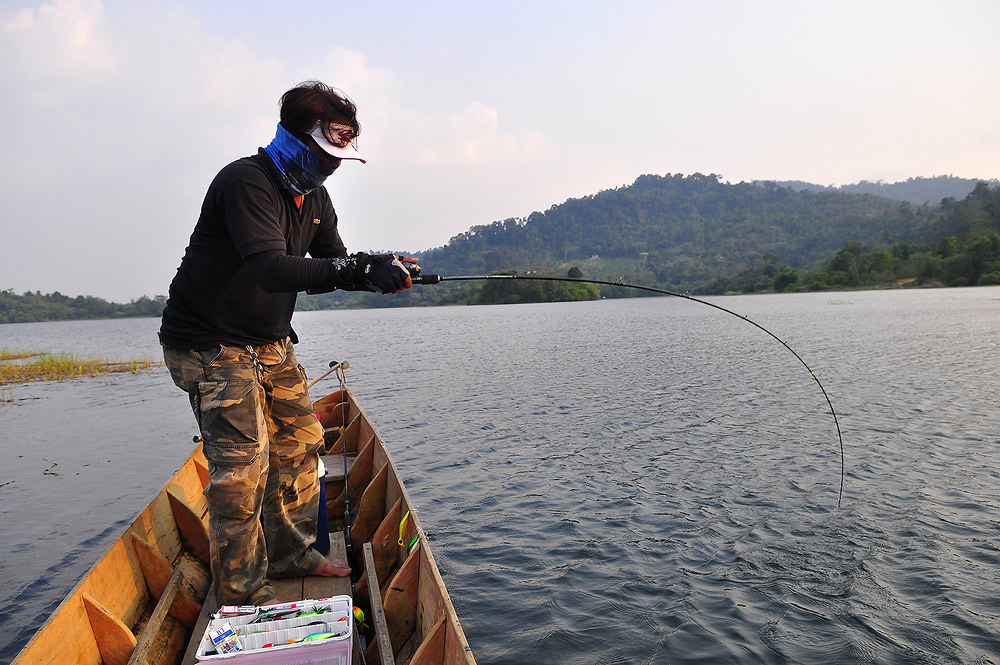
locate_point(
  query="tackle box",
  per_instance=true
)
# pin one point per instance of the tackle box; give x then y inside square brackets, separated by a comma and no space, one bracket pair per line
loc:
[266,639]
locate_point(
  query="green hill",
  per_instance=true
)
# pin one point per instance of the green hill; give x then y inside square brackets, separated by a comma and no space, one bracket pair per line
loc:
[681,230]
[699,234]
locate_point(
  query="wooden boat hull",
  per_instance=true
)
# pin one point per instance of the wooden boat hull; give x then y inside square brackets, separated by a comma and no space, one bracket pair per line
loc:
[149,596]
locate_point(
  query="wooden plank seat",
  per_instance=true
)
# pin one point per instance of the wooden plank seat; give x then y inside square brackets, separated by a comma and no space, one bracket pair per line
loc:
[335,466]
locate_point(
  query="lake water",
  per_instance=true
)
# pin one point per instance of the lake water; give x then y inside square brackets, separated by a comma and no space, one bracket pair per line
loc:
[623,481]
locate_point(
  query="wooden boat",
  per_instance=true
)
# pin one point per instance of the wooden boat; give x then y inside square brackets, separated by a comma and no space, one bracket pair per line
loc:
[148,599]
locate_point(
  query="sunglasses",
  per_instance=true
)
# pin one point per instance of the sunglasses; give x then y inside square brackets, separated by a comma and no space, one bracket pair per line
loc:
[333,132]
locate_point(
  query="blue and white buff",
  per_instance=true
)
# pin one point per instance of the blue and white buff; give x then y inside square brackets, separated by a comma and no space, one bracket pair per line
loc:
[301,169]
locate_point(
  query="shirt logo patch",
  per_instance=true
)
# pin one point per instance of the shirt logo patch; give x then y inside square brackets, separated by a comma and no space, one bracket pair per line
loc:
[315,221]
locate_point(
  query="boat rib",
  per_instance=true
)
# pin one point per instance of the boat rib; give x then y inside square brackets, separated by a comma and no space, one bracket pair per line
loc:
[149,597]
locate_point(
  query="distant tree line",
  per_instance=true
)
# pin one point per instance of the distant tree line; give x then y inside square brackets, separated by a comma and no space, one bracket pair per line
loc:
[55,306]
[678,233]
[510,291]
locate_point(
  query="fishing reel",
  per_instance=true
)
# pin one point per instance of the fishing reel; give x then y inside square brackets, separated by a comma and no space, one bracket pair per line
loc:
[417,278]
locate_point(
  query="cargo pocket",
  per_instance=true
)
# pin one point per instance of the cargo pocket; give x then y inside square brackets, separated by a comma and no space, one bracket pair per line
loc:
[228,410]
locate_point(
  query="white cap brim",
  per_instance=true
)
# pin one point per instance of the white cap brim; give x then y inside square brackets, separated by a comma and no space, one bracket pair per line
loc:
[349,151]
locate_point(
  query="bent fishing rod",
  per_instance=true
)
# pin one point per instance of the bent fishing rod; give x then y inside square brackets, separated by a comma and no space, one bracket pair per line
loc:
[419,278]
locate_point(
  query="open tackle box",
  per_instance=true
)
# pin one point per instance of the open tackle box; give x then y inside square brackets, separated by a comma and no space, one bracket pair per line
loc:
[304,631]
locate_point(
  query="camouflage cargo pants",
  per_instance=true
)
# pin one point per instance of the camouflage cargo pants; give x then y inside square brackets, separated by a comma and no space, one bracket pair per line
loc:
[262,439]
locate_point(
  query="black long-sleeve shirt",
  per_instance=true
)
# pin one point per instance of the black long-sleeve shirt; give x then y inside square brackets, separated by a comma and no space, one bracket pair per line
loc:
[245,261]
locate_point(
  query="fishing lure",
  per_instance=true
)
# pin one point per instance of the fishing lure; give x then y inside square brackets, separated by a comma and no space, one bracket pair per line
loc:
[317,636]
[359,616]
[402,527]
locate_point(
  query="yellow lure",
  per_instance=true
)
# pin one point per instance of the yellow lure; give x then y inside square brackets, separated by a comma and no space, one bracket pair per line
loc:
[402,527]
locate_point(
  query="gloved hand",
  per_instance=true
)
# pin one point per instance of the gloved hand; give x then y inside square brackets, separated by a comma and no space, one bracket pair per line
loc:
[387,273]
[381,273]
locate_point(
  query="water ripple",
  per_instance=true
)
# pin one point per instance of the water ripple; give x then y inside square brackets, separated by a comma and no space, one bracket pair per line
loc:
[638,481]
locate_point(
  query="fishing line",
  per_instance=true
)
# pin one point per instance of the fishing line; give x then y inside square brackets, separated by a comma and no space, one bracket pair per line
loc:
[435,279]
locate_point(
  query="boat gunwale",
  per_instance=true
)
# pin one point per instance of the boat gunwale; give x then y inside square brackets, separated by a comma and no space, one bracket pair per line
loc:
[76,594]
[195,466]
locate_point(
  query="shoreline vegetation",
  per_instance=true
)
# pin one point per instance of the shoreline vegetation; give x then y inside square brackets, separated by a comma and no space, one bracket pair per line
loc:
[769,275]
[18,367]
[692,234]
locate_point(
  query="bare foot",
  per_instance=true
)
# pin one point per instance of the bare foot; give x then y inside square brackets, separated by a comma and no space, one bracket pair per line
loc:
[332,568]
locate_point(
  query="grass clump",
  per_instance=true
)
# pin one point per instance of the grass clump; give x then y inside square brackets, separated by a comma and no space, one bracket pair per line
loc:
[45,366]
[7,354]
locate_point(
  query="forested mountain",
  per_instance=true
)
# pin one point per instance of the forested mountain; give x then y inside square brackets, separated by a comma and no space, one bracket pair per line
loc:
[681,230]
[699,234]
[913,190]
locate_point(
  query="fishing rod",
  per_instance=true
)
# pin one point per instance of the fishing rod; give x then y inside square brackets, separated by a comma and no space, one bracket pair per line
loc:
[418,278]
[348,518]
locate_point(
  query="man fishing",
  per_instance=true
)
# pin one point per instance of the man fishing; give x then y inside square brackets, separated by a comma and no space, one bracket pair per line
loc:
[227,340]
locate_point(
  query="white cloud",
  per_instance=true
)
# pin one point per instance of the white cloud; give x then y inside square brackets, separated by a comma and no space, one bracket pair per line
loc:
[468,137]
[58,42]
[19,21]
[117,116]
[120,118]
[113,127]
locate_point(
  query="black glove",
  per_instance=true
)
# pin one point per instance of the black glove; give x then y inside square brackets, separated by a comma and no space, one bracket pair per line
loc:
[381,273]
[387,274]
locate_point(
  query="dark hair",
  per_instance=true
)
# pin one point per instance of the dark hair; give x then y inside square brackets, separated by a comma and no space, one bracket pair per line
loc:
[312,101]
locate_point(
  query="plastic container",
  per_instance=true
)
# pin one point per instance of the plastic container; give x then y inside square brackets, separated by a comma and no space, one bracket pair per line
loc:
[272,642]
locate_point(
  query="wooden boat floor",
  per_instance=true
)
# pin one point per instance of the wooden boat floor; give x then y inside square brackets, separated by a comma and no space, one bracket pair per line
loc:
[335,466]
[287,590]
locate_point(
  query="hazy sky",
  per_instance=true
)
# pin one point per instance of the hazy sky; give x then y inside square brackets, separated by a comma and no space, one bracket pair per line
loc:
[117,115]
